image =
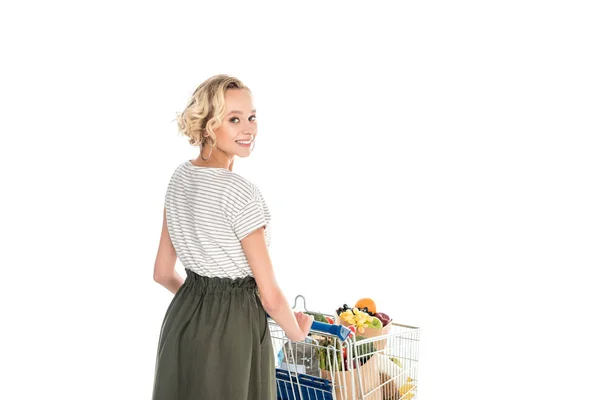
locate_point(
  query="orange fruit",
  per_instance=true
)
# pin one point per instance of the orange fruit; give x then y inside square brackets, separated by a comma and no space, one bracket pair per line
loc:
[366,302]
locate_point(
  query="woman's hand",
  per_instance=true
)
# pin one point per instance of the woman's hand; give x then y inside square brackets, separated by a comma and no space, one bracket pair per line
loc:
[304,322]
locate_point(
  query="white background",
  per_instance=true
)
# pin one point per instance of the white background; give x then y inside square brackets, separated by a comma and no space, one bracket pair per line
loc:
[439,157]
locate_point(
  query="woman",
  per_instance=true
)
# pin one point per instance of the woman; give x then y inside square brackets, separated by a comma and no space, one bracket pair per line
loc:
[215,341]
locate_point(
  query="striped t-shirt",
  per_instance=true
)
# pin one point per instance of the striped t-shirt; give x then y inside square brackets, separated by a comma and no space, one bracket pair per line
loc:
[209,211]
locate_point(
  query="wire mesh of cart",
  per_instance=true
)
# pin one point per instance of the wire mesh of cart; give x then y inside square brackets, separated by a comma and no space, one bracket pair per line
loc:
[333,363]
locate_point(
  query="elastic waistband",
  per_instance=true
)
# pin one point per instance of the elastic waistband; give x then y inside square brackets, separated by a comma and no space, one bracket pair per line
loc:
[221,284]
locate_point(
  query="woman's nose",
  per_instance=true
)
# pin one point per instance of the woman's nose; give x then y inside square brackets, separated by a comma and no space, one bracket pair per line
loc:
[249,130]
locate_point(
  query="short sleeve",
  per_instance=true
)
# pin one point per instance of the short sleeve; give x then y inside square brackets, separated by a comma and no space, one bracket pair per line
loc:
[251,217]
[170,187]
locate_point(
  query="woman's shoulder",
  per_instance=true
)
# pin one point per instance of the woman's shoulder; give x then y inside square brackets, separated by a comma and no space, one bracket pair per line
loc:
[234,185]
[242,186]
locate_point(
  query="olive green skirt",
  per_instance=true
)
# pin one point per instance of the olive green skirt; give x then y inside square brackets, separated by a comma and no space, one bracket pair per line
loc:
[215,343]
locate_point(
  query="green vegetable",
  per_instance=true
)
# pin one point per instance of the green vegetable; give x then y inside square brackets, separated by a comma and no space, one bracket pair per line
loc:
[361,353]
[396,361]
[318,317]
[326,358]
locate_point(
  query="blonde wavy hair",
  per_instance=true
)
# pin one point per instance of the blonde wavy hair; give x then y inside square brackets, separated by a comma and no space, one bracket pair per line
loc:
[206,109]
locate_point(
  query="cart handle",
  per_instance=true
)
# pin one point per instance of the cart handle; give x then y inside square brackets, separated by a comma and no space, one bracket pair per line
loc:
[338,330]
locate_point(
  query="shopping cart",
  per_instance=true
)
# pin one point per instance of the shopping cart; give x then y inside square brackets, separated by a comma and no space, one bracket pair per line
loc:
[334,364]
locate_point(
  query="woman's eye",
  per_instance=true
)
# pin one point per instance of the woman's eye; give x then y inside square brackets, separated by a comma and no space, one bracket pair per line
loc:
[236,118]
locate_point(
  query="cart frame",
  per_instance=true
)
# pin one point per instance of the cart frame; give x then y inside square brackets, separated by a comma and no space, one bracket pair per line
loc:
[334,364]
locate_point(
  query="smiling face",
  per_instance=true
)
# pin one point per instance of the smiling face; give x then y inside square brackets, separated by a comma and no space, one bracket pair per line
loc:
[239,125]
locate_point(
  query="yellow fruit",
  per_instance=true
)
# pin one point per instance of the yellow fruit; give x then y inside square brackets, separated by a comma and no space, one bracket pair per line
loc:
[405,389]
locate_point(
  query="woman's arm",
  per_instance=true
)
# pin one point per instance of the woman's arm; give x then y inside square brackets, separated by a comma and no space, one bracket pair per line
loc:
[273,300]
[164,266]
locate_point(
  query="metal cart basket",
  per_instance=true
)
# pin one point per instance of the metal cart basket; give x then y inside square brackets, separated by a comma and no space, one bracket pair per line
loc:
[335,364]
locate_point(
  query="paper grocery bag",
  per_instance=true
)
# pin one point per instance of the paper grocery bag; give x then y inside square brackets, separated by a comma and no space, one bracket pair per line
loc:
[369,376]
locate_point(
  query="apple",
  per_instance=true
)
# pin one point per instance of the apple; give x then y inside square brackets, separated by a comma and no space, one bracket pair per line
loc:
[385,319]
